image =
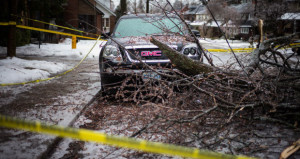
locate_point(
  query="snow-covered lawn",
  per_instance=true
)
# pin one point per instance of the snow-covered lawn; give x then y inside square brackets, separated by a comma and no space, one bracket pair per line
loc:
[15,70]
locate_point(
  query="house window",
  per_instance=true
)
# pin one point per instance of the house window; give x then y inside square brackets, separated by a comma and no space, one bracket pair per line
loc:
[246,16]
[245,30]
[249,17]
[198,17]
[233,31]
[105,25]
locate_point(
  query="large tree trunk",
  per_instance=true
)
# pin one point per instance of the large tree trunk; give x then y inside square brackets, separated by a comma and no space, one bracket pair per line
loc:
[147,6]
[11,39]
[182,62]
[123,4]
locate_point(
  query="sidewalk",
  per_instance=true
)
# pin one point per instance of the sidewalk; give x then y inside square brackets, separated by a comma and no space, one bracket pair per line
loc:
[56,102]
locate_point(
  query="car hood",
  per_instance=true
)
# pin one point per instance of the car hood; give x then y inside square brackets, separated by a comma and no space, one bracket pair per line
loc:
[145,40]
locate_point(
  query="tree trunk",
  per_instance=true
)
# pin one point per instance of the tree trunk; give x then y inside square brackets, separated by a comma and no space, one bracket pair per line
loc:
[147,6]
[182,62]
[11,39]
[123,7]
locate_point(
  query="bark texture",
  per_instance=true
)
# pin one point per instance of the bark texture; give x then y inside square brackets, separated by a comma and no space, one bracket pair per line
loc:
[182,62]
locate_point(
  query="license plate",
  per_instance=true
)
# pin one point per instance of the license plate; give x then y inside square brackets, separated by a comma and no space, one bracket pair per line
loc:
[151,75]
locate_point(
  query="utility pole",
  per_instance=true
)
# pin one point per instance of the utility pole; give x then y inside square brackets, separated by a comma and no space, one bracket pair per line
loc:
[147,6]
[11,39]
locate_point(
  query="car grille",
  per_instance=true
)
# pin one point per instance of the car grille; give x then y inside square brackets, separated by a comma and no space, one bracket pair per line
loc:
[147,54]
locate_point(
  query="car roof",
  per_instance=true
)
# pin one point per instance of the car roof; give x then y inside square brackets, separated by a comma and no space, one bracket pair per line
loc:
[128,16]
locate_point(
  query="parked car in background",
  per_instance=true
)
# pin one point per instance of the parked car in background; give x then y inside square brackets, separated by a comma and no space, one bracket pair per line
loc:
[129,47]
[197,33]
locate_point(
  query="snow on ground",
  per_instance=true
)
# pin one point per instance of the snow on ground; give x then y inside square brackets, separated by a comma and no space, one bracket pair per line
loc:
[33,102]
[222,44]
[222,59]
[15,70]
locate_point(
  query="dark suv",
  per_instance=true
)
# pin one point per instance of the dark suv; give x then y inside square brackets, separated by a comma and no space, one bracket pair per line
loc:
[130,47]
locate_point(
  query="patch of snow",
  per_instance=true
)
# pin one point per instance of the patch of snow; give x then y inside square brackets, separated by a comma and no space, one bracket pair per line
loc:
[291,16]
[17,70]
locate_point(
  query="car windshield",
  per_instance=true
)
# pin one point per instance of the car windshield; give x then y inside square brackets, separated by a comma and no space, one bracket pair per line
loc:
[143,26]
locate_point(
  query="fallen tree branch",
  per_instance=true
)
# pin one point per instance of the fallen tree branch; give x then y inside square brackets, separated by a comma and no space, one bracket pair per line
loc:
[263,48]
[182,62]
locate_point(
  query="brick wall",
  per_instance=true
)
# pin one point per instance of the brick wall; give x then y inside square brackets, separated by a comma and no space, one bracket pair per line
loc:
[71,13]
[82,7]
[112,23]
[86,9]
[99,24]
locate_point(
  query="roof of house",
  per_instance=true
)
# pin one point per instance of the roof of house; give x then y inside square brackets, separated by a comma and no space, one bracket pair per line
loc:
[290,16]
[240,8]
[209,24]
[91,5]
[243,8]
[107,12]
[200,9]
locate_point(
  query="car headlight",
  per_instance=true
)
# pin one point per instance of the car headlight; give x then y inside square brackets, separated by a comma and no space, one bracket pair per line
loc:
[190,50]
[112,52]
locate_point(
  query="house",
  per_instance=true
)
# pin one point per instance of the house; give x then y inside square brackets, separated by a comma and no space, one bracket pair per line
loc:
[291,21]
[245,22]
[93,16]
[240,17]
[195,13]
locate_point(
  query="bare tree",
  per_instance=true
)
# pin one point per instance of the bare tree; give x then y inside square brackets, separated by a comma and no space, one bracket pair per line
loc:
[141,6]
[178,5]
[11,39]
[219,7]
[271,12]
[123,4]
[134,7]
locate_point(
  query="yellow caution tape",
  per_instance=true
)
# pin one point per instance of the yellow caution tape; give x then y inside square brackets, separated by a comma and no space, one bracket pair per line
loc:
[239,50]
[56,25]
[47,79]
[112,140]
[8,23]
[245,50]
[45,30]
[52,31]
[295,45]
